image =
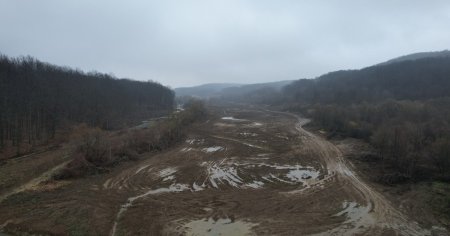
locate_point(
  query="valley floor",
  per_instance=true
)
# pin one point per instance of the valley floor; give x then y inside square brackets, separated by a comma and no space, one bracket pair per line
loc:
[243,172]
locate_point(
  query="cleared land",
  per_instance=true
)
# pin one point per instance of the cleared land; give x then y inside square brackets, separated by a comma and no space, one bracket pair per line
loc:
[243,172]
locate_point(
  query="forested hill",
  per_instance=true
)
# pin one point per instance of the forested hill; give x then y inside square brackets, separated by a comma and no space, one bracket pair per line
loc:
[413,80]
[417,56]
[37,98]
[260,92]
[204,90]
[401,108]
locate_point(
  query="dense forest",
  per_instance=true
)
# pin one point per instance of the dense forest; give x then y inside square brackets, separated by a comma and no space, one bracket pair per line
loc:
[37,99]
[401,108]
[414,80]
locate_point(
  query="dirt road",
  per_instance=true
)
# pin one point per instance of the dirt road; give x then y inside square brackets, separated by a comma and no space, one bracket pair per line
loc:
[243,172]
[236,175]
[378,215]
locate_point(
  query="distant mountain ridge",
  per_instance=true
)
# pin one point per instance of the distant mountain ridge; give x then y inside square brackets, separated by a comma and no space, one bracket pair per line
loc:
[417,56]
[204,90]
[227,89]
[420,75]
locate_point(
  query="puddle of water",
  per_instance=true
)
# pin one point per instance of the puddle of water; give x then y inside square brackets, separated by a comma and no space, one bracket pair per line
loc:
[196,187]
[167,172]
[186,149]
[251,145]
[285,167]
[357,220]
[353,211]
[170,177]
[246,134]
[219,227]
[232,119]
[219,124]
[238,141]
[140,169]
[288,174]
[256,124]
[190,141]
[255,184]
[302,175]
[213,149]
[274,177]
[171,188]
[195,141]
[219,174]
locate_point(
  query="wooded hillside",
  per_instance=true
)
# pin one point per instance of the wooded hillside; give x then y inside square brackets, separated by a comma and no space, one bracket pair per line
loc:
[402,109]
[37,98]
[414,80]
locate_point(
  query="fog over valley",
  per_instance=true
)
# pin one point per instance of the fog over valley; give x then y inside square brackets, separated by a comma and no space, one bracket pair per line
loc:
[187,43]
[225,117]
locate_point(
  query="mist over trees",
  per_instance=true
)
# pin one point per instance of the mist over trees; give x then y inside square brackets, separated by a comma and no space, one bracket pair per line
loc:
[402,108]
[37,98]
[414,80]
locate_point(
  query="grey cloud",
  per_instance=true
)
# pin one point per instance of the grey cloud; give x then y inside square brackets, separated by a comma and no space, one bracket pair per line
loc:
[180,42]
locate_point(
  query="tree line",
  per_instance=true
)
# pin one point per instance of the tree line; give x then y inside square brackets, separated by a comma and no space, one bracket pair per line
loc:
[412,138]
[96,151]
[402,109]
[407,80]
[37,99]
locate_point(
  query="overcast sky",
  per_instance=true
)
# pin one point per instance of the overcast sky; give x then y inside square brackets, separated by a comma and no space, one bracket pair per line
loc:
[190,42]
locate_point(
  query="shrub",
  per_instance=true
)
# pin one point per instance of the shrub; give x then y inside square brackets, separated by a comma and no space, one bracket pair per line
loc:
[95,150]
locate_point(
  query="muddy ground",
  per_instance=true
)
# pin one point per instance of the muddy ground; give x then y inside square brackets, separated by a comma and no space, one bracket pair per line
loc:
[242,172]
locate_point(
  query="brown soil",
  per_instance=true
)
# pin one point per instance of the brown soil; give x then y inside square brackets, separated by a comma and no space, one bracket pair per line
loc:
[243,172]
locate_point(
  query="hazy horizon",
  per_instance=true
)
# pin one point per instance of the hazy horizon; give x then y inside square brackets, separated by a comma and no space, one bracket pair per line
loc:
[188,43]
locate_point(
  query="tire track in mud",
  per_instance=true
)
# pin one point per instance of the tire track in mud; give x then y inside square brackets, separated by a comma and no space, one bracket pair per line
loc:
[374,216]
[238,141]
[33,183]
[378,214]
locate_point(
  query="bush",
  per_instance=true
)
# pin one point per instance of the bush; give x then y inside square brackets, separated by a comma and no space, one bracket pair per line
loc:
[95,150]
